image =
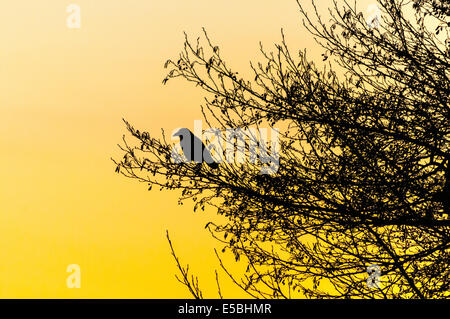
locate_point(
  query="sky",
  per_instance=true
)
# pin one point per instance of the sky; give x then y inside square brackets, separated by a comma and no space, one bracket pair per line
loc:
[63,94]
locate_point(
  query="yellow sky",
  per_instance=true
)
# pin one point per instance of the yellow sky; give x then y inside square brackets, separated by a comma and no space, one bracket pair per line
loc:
[63,93]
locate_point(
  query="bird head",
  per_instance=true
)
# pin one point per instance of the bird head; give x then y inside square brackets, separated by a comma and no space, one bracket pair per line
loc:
[182,132]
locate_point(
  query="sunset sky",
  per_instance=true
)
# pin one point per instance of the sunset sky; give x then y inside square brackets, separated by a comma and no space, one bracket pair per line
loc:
[63,94]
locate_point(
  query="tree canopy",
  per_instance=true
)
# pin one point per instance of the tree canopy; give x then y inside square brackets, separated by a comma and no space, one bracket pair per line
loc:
[363,174]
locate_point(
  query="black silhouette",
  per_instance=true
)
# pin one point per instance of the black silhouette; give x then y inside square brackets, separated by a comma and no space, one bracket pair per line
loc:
[364,163]
[193,148]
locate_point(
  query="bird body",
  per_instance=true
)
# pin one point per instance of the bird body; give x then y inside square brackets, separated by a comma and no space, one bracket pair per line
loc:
[193,148]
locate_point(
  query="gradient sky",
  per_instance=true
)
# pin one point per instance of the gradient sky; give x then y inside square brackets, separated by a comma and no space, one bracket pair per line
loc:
[63,93]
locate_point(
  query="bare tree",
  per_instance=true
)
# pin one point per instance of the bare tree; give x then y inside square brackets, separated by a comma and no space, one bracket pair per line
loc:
[364,169]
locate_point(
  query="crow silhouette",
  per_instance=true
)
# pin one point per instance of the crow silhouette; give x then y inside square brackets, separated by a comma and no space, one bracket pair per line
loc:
[194,149]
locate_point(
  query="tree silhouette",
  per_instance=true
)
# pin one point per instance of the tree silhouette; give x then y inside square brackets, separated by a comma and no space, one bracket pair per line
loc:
[364,160]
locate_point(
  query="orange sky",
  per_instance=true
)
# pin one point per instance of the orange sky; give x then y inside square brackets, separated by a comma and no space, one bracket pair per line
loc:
[63,93]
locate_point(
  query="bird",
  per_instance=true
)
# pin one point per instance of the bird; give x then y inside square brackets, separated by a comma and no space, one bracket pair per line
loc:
[190,144]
